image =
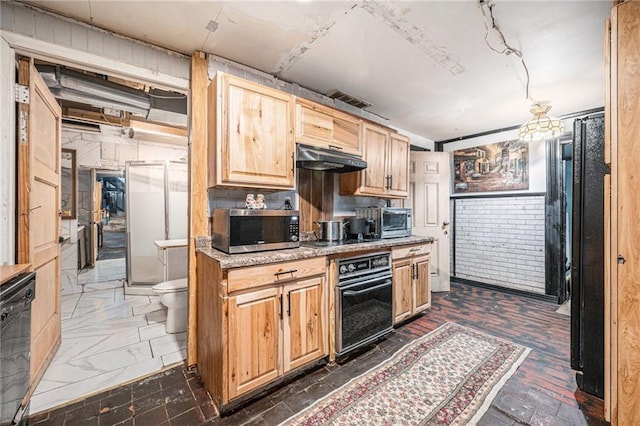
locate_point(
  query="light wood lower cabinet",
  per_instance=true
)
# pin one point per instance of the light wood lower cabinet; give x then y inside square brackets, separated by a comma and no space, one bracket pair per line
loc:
[251,337]
[411,282]
[254,340]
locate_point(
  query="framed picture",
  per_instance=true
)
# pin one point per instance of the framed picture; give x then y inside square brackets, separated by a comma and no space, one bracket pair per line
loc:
[501,166]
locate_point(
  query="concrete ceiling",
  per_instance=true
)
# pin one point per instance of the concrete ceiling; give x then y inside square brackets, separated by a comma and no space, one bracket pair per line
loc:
[424,65]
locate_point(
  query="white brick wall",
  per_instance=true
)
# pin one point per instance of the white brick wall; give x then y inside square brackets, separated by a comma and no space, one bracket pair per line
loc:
[501,241]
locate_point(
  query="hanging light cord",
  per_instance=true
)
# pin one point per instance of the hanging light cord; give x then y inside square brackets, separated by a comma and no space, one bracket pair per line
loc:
[507,50]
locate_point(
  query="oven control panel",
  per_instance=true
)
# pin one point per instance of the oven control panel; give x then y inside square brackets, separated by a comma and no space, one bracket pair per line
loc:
[364,264]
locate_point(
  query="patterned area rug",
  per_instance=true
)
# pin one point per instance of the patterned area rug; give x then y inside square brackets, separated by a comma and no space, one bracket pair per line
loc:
[448,377]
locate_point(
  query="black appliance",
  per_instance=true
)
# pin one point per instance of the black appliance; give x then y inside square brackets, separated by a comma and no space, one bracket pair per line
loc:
[364,301]
[587,259]
[15,347]
[249,230]
[313,158]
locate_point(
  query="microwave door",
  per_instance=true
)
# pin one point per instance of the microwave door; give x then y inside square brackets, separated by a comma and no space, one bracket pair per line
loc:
[249,230]
[394,221]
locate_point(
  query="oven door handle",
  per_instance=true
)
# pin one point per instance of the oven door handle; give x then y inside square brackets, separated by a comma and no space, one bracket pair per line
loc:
[353,282]
[387,283]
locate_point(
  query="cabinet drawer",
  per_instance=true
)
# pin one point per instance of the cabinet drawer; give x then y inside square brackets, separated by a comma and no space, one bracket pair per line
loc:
[408,251]
[244,278]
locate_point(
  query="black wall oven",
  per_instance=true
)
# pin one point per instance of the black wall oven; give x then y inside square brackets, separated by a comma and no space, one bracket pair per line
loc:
[364,301]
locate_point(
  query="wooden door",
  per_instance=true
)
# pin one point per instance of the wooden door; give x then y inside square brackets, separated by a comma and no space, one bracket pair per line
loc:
[254,340]
[257,143]
[305,336]
[429,176]
[421,285]
[402,290]
[624,318]
[39,156]
[398,167]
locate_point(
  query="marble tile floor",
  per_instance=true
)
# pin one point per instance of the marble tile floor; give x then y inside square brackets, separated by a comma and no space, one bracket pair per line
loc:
[106,274]
[108,338]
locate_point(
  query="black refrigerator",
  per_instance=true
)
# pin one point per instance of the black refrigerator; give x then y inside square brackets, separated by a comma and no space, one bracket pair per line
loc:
[587,257]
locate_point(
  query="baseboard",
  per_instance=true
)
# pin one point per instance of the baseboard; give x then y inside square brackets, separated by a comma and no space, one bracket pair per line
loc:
[537,296]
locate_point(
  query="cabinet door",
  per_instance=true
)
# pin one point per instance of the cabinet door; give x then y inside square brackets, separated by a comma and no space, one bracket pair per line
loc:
[402,290]
[305,336]
[398,167]
[254,340]
[346,133]
[257,142]
[376,148]
[421,285]
[314,124]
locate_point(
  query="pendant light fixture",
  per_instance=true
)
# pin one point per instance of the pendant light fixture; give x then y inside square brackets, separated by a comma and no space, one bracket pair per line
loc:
[541,126]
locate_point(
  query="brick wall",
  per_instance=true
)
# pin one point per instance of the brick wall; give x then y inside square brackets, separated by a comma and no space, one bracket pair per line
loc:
[501,241]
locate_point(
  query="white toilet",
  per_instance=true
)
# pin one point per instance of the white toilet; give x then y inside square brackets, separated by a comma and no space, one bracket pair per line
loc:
[173,295]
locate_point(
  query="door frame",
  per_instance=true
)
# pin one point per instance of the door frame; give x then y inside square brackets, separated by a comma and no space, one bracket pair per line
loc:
[38,49]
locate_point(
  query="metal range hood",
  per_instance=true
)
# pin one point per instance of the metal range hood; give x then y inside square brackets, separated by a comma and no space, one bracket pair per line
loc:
[326,160]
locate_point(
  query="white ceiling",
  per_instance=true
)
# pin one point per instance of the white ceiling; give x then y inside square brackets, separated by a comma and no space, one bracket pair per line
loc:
[422,64]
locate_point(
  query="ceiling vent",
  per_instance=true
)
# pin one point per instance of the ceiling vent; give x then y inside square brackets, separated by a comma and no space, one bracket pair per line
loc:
[349,99]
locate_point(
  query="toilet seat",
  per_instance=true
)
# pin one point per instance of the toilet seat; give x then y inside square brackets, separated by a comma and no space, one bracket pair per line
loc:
[171,286]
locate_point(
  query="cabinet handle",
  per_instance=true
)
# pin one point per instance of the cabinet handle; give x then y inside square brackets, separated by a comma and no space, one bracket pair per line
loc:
[390,181]
[293,163]
[339,148]
[289,304]
[417,271]
[413,271]
[290,271]
[387,178]
[280,301]
[415,249]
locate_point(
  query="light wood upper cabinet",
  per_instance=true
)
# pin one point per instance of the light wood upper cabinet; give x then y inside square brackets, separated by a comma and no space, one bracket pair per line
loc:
[254,340]
[325,127]
[346,133]
[387,172]
[251,140]
[411,281]
[314,123]
[398,168]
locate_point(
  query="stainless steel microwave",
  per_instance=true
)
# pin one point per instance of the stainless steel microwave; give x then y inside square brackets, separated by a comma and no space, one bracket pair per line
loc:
[388,222]
[249,230]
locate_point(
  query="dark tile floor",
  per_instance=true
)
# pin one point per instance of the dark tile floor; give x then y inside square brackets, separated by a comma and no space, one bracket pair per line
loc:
[541,392]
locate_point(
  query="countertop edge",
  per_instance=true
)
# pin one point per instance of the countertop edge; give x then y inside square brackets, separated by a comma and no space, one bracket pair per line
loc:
[8,272]
[228,261]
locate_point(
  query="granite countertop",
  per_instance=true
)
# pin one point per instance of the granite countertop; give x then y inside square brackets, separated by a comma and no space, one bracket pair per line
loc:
[228,261]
